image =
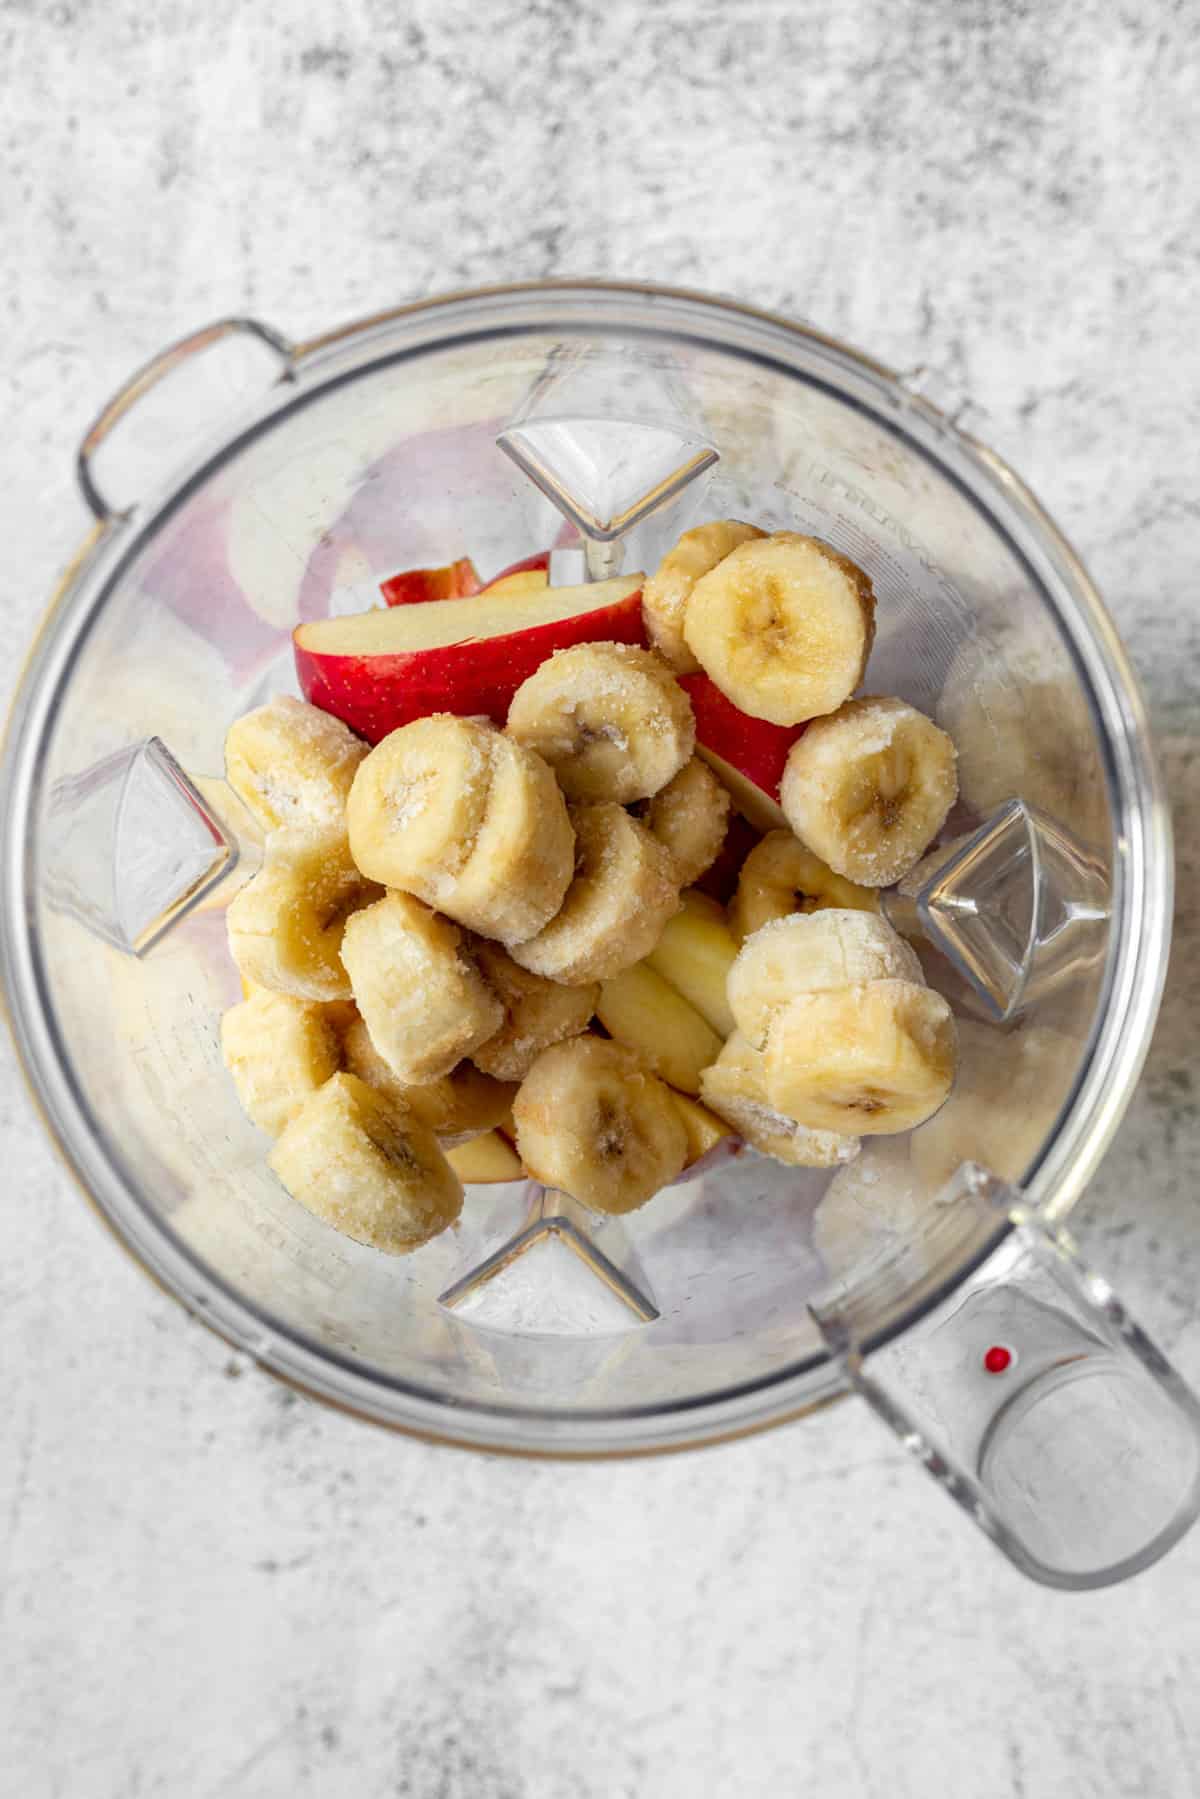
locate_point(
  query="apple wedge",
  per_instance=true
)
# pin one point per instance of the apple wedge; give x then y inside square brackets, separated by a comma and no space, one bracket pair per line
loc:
[415,586]
[748,754]
[529,576]
[645,1013]
[379,670]
[694,955]
[704,1129]
[486,1159]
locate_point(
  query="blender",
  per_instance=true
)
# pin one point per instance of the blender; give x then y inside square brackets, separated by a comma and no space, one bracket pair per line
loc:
[933,1278]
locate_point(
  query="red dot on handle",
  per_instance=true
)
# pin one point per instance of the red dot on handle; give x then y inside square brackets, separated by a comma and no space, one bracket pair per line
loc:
[997,1360]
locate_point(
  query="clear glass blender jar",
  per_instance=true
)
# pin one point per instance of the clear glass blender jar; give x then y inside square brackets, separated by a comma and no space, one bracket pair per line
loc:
[603,420]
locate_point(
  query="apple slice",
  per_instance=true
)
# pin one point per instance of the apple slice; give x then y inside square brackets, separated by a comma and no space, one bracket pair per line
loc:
[644,1012]
[694,955]
[414,586]
[379,670]
[720,879]
[704,1129]
[485,1159]
[748,754]
[529,576]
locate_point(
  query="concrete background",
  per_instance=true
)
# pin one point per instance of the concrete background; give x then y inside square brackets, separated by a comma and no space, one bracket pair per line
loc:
[211,1589]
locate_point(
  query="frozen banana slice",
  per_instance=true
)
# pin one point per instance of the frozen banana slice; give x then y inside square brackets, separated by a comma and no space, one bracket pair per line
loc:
[593,1122]
[623,893]
[691,816]
[278,1050]
[665,595]
[537,1013]
[357,1161]
[451,810]
[813,952]
[784,626]
[869,788]
[873,1060]
[734,1089]
[609,718]
[456,1106]
[421,996]
[780,877]
[292,765]
[286,925]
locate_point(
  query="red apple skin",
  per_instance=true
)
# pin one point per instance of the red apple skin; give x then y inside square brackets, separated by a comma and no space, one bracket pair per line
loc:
[720,880]
[756,747]
[377,694]
[540,562]
[456,581]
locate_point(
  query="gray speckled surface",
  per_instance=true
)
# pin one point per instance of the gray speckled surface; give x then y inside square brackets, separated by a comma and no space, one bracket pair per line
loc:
[211,1589]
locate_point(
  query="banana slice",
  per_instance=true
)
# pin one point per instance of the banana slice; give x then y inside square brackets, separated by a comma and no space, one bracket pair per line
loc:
[355,1160]
[292,764]
[609,718]
[456,1106]
[734,1089]
[691,816]
[537,1013]
[816,952]
[644,1012]
[780,877]
[423,1000]
[784,626]
[1010,1089]
[665,595]
[286,925]
[623,893]
[279,1050]
[869,788]
[451,810]
[595,1123]
[874,1059]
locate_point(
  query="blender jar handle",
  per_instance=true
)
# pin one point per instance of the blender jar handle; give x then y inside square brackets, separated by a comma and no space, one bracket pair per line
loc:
[148,377]
[1035,1400]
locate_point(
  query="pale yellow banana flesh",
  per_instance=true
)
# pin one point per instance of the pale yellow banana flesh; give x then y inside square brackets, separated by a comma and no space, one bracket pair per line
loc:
[609,718]
[622,895]
[811,953]
[456,1106]
[871,1060]
[690,815]
[537,1013]
[780,877]
[422,998]
[292,764]
[869,788]
[665,595]
[593,1122]
[278,1050]
[451,810]
[286,926]
[783,626]
[734,1087]
[356,1161]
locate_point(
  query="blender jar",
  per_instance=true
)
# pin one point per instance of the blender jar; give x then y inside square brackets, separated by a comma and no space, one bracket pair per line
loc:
[933,1275]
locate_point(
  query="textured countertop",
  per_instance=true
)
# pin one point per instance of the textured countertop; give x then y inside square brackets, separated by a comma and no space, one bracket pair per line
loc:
[210,1588]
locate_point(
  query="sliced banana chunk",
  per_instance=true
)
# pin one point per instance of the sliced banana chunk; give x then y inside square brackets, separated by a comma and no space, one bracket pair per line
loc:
[537,1013]
[780,877]
[623,893]
[421,996]
[286,925]
[609,718]
[453,811]
[874,1059]
[734,1088]
[292,764]
[278,1050]
[456,1106]
[355,1160]
[691,816]
[815,952]
[869,788]
[784,626]
[665,595]
[595,1123]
